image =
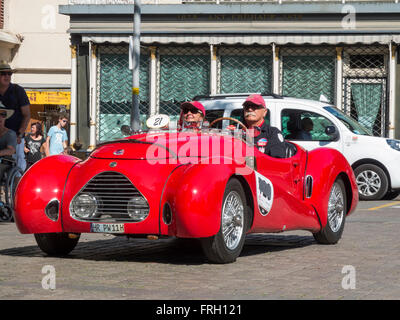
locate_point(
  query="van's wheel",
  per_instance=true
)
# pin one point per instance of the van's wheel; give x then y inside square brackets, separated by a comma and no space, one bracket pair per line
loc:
[55,244]
[337,209]
[228,243]
[372,182]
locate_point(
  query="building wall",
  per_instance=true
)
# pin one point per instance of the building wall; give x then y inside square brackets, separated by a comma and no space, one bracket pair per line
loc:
[44,56]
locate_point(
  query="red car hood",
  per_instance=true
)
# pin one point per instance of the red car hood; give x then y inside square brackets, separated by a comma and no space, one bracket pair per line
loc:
[173,145]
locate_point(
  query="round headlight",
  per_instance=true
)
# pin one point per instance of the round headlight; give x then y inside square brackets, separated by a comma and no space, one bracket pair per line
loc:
[84,206]
[138,208]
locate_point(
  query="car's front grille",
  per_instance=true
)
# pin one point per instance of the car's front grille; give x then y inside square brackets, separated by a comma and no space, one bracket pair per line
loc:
[113,193]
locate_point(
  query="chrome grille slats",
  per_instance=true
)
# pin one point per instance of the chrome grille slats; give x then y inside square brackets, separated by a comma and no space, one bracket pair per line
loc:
[113,191]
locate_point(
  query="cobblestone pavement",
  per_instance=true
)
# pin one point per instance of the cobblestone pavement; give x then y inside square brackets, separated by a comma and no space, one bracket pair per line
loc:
[272,266]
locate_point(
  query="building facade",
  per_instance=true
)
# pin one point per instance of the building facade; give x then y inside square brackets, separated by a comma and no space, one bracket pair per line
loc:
[344,52]
[39,51]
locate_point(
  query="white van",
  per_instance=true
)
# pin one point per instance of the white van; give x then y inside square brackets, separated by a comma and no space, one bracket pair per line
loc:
[375,160]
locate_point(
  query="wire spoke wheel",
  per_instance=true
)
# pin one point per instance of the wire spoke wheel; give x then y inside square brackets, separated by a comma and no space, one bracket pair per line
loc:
[232,220]
[336,215]
[335,207]
[227,244]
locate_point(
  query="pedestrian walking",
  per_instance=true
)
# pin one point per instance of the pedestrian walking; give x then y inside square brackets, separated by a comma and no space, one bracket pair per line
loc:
[33,144]
[14,97]
[57,138]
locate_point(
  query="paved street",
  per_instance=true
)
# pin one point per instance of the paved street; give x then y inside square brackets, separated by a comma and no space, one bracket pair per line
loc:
[272,266]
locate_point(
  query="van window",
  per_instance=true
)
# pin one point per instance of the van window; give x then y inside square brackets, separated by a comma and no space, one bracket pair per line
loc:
[350,123]
[304,125]
[238,115]
[211,115]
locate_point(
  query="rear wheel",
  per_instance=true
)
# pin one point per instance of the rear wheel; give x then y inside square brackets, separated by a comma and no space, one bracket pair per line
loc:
[372,182]
[228,243]
[337,208]
[57,243]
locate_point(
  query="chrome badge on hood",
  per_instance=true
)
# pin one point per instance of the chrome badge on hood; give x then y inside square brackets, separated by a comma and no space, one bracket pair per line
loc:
[119,152]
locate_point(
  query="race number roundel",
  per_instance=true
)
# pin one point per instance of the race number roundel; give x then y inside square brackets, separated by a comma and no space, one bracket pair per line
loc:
[158,121]
[265,193]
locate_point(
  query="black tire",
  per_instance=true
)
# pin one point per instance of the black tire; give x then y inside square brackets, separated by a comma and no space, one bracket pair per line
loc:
[391,195]
[372,182]
[215,248]
[332,232]
[56,244]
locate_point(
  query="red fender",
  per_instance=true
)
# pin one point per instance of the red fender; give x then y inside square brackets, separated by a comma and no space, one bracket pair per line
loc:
[194,215]
[325,166]
[43,182]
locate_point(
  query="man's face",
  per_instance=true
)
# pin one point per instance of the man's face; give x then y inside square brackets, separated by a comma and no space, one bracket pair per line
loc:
[254,113]
[191,114]
[5,78]
[63,122]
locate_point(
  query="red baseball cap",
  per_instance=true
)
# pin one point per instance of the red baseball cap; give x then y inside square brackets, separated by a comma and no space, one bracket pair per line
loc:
[256,99]
[194,104]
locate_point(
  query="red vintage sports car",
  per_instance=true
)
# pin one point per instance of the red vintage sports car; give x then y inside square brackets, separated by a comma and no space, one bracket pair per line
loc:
[210,185]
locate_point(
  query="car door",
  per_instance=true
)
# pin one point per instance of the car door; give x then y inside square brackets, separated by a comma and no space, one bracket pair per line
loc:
[283,179]
[296,120]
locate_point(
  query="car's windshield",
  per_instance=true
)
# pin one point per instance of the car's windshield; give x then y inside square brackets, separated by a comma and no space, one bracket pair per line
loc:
[350,123]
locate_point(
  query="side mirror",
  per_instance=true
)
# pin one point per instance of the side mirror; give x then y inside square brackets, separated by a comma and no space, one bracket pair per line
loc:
[331,131]
[126,130]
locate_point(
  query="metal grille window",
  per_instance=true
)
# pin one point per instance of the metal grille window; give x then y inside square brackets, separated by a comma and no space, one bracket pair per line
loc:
[184,73]
[308,73]
[115,90]
[245,69]
[365,86]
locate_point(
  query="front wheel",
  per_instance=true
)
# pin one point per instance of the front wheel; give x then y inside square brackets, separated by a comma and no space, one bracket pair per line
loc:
[337,209]
[55,244]
[228,243]
[372,182]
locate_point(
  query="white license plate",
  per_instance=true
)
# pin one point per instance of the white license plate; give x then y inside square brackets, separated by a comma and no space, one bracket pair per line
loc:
[107,227]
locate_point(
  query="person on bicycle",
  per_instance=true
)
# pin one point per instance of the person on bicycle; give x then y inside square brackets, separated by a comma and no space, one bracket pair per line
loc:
[8,141]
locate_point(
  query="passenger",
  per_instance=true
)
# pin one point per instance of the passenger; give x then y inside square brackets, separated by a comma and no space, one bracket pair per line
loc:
[306,126]
[267,139]
[192,115]
[8,141]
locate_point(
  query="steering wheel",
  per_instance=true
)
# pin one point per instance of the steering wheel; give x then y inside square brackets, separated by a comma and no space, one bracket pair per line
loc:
[229,118]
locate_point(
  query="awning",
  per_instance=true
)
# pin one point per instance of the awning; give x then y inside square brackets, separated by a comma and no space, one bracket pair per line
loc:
[261,39]
[9,38]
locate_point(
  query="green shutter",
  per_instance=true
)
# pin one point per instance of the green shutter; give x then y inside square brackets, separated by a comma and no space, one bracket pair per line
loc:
[309,77]
[116,93]
[245,74]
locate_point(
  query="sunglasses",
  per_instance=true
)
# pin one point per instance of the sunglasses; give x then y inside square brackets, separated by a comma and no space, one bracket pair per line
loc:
[3,114]
[5,73]
[252,106]
[64,121]
[192,111]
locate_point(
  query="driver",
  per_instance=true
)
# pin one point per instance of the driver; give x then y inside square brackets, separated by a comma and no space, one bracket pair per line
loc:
[192,115]
[268,140]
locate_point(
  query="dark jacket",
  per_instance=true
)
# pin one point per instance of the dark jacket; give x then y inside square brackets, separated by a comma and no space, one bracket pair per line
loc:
[270,141]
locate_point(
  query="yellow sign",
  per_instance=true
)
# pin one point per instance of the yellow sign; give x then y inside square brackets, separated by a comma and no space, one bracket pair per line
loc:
[49,97]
